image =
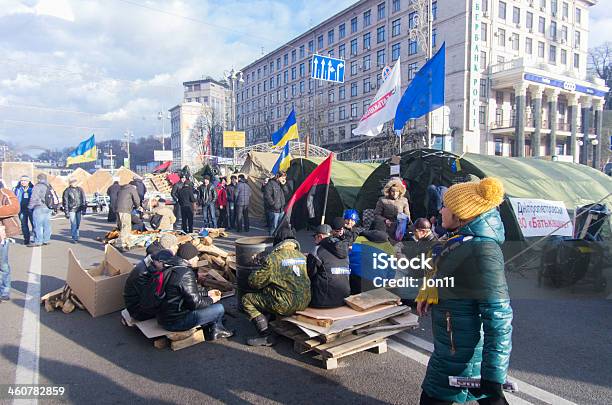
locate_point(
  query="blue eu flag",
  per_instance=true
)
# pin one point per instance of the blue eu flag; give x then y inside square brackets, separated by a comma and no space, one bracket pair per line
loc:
[425,92]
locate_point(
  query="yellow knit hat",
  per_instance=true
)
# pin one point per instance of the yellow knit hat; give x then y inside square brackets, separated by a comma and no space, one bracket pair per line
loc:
[468,200]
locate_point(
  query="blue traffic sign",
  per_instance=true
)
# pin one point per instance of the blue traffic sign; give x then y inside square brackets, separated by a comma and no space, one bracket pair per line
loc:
[328,69]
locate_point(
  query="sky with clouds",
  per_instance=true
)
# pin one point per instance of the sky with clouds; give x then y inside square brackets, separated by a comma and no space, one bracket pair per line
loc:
[69,68]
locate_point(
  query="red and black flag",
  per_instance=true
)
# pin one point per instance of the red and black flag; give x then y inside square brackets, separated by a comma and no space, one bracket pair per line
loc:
[163,167]
[315,187]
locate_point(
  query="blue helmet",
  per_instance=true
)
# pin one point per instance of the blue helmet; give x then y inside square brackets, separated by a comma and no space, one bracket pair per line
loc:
[351,214]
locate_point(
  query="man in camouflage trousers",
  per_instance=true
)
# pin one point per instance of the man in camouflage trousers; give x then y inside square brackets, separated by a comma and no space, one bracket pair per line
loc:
[283,284]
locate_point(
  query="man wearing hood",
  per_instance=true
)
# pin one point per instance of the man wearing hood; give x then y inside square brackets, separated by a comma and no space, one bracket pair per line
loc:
[328,267]
[282,285]
[140,187]
[392,203]
[113,192]
[127,201]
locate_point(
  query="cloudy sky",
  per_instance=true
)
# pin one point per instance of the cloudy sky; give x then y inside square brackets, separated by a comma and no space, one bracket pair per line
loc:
[69,68]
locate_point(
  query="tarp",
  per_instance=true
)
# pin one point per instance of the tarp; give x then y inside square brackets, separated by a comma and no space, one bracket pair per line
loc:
[347,178]
[256,168]
[574,184]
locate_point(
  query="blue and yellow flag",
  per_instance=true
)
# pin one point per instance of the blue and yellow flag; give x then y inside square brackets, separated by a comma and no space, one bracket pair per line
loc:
[284,160]
[85,152]
[286,133]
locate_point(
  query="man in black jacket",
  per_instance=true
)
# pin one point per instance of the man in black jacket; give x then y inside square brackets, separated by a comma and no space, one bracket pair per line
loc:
[208,197]
[174,193]
[243,199]
[140,187]
[276,193]
[138,279]
[186,200]
[328,267]
[231,201]
[113,192]
[75,204]
[186,305]
[127,201]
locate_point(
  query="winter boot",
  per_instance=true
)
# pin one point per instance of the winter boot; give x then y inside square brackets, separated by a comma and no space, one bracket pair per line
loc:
[218,331]
[265,337]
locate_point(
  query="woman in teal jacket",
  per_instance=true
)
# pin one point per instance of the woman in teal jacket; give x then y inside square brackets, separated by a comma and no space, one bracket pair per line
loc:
[471,315]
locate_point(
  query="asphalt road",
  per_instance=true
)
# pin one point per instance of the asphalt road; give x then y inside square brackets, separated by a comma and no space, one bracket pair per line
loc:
[561,350]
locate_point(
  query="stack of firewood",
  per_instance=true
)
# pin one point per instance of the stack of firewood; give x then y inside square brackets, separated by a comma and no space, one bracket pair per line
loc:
[63,299]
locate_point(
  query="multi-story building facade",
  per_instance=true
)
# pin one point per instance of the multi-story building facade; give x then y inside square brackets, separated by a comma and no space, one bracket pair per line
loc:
[516,74]
[207,103]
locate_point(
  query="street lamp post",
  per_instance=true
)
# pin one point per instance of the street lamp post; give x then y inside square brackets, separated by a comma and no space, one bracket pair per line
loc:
[234,77]
[161,117]
[128,136]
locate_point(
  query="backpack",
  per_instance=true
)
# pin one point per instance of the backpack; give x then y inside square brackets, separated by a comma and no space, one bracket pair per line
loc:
[52,201]
[155,220]
[154,290]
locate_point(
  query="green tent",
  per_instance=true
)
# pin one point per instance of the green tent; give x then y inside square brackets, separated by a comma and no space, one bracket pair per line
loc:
[347,178]
[574,184]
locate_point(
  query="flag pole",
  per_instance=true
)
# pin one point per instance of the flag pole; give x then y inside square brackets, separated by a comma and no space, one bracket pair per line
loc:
[325,201]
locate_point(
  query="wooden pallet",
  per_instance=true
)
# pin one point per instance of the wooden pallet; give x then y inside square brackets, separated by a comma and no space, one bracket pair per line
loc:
[161,337]
[339,347]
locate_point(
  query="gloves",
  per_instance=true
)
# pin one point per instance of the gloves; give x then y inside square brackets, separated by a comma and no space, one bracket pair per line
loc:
[489,388]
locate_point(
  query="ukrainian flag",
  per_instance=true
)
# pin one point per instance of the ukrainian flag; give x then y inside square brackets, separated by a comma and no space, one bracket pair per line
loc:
[284,160]
[286,133]
[85,152]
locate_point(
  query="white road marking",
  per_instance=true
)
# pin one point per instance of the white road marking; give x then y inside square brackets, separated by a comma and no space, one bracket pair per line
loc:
[29,346]
[524,387]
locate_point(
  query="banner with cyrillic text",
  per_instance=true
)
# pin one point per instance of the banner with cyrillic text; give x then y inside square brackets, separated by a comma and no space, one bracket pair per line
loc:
[542,217]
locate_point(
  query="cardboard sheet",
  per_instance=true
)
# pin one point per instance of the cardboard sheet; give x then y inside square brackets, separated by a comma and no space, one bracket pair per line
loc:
[343,312]
[343,324]
[150,328]
[370,299]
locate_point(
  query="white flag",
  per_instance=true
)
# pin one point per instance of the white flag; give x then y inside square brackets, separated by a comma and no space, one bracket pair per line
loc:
[382,109]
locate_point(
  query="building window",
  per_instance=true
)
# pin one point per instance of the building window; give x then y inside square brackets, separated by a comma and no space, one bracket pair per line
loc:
[311,46]
[285,76]
[293,88]
[366,41]
[302,70]
[576,61]
[271,67]
[578,16]
[379,80]
[353,89]
[285,60]
[331,53]
[271,83]
[515,41]
[396,5]
[381,11]
[366,18]
[366,104]
[330,37]
[528,46]
[353,68]
[483,60]
[499,98]
[341,112]
[540,49]
[501,37]
[341,51]
[543,3]
[293,73]
[434,37]
[413,47]
[302,53]
[576,39]
[502,10]
[366,62]
[341,31]
[516,15]
[434,10]
[553,30]
[286,92]
[366,85]
[412,20]
[320,42]
[380,58]
[331,116]
[341,133]
[302,86]
[565,10]
[542,25]
[354,25]
[412,69]
[396,27]
[563,57]
[353,47]
[341,93]
[481,114]
[529,20]
[353,110]
[553,7]
[380,34]
[564,33]
[499,146]
[483,32]
[293,56]
[552,54]
[483,88]
[395,52]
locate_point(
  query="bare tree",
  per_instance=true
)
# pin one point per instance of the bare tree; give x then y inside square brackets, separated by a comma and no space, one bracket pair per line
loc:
[207,135]
[600,63]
